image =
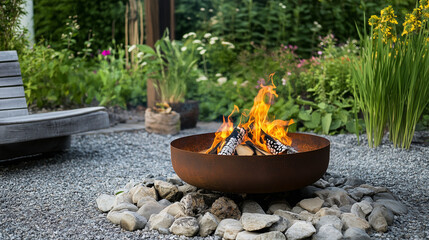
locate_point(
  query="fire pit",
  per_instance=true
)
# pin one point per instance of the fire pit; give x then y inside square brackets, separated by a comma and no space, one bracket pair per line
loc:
[250,174]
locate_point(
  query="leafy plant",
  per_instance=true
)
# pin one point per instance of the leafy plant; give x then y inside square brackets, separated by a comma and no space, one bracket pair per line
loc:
[12,35]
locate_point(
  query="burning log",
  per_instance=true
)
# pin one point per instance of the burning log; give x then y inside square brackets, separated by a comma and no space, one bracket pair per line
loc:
[232,141]
[245,150]
[257,150]
[276,147]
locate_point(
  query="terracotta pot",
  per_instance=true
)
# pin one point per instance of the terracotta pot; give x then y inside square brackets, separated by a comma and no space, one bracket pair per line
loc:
[162,123]
[189,111]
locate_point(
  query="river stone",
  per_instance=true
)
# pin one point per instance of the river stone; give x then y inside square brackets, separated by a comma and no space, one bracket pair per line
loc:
[359,192]
[350,220]
[164,202]
[105,202]
[280,225]
[175,180]
[150,208]
[125,206]
[311,204]
[141,192]
[187,226]
[220,230]
[328,232]
[396,207]
[356,234]
[257,221]
[144,200]
[132,221]
[273,235]
[346,208]
[326,211]
[384,195]
[300,230]
[124,197]
[365,206]
[176,210]
[194,204]
[297,209]
[224,208]
[306,216]
[166,190]
[208,224]
[160,221]
[335,196]
[356,210]
[354,182]
[186,188]
[115,216]
[377,220]
[250,206]
[387,213]
[321,183]
[231,231]
[330,220]
[278,205]
[289,216]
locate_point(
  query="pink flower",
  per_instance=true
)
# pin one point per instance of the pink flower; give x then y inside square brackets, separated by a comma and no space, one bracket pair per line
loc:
[105,52]
[289,73]
[320,52]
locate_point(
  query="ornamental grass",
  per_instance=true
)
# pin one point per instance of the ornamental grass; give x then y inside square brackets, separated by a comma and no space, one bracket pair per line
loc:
[392,75]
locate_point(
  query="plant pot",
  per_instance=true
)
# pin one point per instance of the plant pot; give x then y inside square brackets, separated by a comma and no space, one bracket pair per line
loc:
[162,123]
[189,111]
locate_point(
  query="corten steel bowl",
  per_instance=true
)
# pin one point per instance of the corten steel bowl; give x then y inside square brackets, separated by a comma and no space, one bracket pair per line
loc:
[250,174]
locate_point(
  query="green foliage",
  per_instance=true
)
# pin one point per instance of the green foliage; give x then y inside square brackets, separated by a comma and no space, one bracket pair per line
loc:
[12,36]
[103,20]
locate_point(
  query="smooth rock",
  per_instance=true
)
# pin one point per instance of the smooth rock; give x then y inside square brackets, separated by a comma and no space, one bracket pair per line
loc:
[115,216]
[232,223]
[356,234]
[300,230]
[124,197]
[354,182]
[208,224]
[346,208]
[335,196]
[150,208]
[327,211]
[375,189]
[187,226]
[186,188]
[144,200]
[125,206]
[321,183]
[365,206]
[278,205]
[356,210]
[377,220]
[350,220]
[142,192]
[224,208]
[105,202]
[387,213]
[289,216]
[330,220]
[306,216]
[328,232]
[273,235]
[166,190]
[194,204]
[175,180]
[311,204]
[257,221]
[396,207]
[176,210]
[160,221]
[250,206]
[384,195]
[297,209]
[280,225]
[359,192]
[132,221]
[164,202]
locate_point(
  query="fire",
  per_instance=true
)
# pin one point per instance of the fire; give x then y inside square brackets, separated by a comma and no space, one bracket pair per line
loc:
[258,123]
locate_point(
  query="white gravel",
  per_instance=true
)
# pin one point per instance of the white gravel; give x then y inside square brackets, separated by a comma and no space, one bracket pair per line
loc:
[53,197]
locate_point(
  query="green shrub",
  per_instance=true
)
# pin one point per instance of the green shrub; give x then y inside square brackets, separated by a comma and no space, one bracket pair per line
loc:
[12,35]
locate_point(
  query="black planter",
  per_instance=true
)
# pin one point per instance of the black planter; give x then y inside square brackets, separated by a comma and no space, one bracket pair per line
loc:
[189,111]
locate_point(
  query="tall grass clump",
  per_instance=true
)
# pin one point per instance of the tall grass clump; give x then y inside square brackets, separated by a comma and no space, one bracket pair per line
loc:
[392,75]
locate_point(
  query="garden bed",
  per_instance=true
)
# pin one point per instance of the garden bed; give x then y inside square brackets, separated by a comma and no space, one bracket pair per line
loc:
[54,197]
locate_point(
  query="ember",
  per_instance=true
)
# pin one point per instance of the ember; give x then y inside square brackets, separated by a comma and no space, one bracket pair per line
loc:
[257,136]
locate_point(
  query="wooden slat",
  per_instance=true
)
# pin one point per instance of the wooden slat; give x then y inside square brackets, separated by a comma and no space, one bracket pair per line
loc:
[11,92]
[13,113]
[10,81]
[9,69]
[7,56]
[12,103]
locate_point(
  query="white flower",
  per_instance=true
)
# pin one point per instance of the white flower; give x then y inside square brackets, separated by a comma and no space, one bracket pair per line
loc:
[213,40]
[196,41]
[202,52]
[222,80]
[202,9]
[143,64]
[189,18]
[282,5]
[132,48]
[207,35]
[199,48]
[210,10]
[189,34]
[140,55]
[234,83]
[237,10]
[244,84]
[283,81]
[183,49]
[218,75]
[201,78]
[230,45]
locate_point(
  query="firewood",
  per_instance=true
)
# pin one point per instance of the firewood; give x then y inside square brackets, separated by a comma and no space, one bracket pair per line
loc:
[232,141]
[276,147]
[244,150]
[214,150]
[257,150]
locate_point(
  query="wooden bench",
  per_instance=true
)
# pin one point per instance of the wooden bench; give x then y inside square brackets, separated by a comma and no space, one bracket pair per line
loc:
[23,135]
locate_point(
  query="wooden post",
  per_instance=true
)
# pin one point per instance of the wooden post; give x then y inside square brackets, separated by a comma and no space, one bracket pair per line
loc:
[159,16]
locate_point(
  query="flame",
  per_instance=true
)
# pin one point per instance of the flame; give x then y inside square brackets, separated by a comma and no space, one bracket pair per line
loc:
[258,123]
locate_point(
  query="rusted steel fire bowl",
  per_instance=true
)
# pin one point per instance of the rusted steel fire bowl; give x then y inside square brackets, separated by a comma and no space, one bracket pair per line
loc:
[250,174]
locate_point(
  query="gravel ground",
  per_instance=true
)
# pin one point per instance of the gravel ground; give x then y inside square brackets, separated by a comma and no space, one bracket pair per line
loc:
[54,197]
